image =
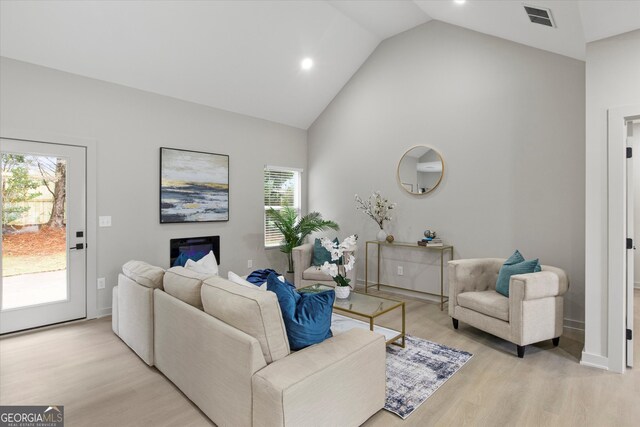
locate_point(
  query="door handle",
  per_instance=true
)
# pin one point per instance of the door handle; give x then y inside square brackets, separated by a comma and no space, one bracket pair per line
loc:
[78,246]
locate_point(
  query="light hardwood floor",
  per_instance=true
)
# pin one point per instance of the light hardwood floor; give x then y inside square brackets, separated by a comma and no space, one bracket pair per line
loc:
[101,382]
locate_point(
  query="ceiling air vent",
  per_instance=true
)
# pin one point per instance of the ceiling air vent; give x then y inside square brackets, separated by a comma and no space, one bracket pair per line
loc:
[540,16]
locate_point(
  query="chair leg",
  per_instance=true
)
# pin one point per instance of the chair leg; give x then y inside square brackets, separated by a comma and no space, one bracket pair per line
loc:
[521,351]
[556,341]
[455,323]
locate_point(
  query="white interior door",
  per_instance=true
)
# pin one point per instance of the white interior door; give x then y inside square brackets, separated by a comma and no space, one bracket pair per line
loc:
[43,262]
[631,188]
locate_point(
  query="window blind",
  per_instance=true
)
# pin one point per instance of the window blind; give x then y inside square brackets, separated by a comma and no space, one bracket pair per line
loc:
[281,188]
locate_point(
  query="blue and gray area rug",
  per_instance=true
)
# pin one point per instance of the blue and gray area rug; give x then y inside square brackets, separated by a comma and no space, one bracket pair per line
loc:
[415,372]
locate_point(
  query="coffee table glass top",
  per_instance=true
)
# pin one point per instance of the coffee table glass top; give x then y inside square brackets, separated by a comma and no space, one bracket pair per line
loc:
[357,303]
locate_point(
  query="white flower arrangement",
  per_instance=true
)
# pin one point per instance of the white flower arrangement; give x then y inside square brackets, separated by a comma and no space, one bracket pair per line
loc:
[376,207]
[337,251]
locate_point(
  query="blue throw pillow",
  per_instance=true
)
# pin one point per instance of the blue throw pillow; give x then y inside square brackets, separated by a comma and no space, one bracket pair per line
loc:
[307,316]
[187,255]
[320,254]
[287,295]
[515,265]
[181,260]
[258,277]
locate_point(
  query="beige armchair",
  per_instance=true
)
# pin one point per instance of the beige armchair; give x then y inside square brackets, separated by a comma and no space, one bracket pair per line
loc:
[533,311]
[305,274]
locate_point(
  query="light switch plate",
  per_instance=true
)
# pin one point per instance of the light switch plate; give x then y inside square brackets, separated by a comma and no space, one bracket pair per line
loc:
[101,282]
[104,221]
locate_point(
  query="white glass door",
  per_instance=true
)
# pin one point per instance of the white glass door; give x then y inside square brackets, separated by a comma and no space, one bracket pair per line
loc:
[43,261]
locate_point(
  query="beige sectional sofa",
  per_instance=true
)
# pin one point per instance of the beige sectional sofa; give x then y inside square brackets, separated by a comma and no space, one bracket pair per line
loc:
[225,346]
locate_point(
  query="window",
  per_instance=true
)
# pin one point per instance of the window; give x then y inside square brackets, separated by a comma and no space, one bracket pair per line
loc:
[281,188]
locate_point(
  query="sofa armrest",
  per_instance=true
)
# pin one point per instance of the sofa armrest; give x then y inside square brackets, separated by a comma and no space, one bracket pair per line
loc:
[317,385]
[301,261]
[542,284]
[467,275]
[114,310]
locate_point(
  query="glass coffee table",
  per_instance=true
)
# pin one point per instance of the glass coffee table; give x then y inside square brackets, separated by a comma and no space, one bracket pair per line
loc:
[366,305]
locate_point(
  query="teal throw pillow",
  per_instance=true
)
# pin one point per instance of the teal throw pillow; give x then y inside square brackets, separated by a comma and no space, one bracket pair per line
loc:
[516,258]
[306,316]
[320,254]
[513,266]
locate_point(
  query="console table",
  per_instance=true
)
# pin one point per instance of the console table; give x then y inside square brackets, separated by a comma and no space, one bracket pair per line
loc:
[441,249]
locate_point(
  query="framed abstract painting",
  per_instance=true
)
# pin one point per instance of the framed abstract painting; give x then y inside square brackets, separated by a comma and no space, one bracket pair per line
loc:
[194,186]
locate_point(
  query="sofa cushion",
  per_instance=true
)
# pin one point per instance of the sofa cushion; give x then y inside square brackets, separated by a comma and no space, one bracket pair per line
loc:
[314,273]
[185,284]
[307,316]
[508,270]
[259,277]
[515,258]
[252,311]
[321,254]
[181,260]
[237,279]
[205,265]
[144,274]
[490,303]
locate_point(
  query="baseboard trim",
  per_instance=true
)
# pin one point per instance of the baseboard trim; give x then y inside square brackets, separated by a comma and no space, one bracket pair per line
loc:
[104,312]
[594,361]
[574,324]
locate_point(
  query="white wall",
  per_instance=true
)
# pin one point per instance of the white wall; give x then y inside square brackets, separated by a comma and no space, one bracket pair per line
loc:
[612,70]
[130,126]
[507,119]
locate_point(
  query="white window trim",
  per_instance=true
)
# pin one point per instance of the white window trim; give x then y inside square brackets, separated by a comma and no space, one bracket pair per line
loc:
[283,169]
[297,196]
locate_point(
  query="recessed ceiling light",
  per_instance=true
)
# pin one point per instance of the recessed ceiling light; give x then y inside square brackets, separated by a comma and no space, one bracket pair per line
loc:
[460,1]
[306,64]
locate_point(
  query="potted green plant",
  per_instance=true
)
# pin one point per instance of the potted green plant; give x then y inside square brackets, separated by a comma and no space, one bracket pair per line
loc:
[294,230]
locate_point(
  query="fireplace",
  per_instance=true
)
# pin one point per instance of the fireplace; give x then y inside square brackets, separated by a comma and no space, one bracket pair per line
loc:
[194,248]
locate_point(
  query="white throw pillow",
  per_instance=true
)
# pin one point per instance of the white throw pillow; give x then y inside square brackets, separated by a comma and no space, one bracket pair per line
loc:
[240,281]
[205,265]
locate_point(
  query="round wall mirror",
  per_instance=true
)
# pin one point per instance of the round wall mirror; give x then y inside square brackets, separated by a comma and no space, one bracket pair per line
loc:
[420,170]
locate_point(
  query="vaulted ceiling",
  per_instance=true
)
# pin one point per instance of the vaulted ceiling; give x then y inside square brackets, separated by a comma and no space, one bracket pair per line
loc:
[244,56]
